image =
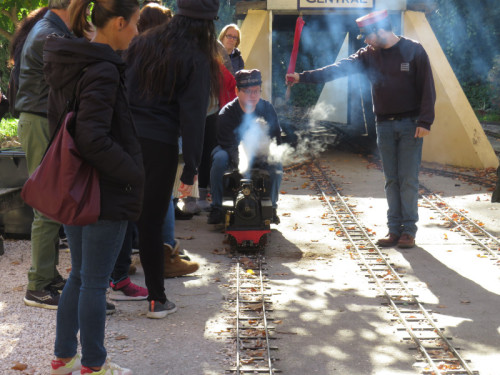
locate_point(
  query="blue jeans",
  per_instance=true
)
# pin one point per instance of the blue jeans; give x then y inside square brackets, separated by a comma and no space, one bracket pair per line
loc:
[82,307]
[220,165]
[401,154]
[123,261]
[167,230]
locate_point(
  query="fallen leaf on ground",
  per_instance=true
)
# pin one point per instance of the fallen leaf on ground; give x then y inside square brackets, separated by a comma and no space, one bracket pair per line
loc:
[219,252]
[121,337]
[19,366]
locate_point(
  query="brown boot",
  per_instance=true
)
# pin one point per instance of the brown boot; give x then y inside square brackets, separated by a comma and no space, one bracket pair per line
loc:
[390,240]
[133,267]
[406,241]
[174,265]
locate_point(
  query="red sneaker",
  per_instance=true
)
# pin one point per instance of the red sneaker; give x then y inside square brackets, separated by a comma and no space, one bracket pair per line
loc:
[126,290]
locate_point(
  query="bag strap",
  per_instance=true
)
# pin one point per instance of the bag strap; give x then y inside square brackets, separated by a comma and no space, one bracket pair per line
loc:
[70,105]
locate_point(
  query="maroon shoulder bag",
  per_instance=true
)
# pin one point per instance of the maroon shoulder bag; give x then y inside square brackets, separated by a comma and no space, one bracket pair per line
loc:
[64,187]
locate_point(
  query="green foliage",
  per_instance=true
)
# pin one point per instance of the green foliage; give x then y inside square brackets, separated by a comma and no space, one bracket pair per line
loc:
[494,84]
[478,94]
[469,34]
[8,127]
[8,130]
[11,13]
[4,67]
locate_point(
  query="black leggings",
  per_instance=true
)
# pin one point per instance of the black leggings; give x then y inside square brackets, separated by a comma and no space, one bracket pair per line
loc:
[160,164]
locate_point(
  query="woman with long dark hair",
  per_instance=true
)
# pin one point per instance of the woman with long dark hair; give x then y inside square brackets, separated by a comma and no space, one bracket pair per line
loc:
[171,70]
[105,136]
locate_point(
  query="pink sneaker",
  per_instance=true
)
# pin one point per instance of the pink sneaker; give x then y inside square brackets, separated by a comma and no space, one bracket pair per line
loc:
[126,290]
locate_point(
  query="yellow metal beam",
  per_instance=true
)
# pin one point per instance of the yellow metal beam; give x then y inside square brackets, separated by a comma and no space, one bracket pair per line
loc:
[255,46]
[457,138]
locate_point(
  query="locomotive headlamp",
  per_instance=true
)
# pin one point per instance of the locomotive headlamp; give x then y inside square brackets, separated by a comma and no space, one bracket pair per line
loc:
[246,187]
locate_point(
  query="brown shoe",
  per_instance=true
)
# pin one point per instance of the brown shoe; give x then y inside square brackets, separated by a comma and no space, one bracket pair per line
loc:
[406,241]
[390,240]
[174,265]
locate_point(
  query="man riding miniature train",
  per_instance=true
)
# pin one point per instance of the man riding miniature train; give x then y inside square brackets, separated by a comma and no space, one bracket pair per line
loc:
[250,119]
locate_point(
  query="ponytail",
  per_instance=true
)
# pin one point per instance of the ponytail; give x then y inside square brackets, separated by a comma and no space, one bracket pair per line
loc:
[99,12]
[78,17]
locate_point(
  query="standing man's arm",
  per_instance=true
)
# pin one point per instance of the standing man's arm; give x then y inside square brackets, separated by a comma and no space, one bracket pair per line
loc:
[427,91]
[342,68]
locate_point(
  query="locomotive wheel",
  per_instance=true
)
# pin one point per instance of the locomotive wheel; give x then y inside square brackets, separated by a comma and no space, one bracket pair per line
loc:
[263,241]
[233,244]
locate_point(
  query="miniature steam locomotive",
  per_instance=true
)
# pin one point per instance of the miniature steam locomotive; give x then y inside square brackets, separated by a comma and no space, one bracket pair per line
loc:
[248,207]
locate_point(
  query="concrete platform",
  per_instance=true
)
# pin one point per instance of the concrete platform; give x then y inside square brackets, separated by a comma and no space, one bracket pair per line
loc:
[332,321]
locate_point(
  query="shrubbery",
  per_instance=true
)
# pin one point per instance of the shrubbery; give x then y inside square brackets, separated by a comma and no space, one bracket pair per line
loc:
[494,85]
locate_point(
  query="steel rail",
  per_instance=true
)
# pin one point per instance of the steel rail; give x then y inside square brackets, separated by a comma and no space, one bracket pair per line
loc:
[243,331]
[393,272]
[238,365]
[462,227]
[264,317]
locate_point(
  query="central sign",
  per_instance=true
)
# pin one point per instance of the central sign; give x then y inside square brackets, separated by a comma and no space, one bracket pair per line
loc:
[331,4]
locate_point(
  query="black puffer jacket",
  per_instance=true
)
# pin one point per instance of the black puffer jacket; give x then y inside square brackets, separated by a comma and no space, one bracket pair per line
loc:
[104,133]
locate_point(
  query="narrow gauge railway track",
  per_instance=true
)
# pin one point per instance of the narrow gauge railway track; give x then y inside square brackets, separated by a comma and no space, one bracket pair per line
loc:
[437,355]
[478,180]
[251,327]
[460,222]
[485,180]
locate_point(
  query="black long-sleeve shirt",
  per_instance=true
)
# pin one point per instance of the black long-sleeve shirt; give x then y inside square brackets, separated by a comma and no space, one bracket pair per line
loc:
[231,117]
[401,79]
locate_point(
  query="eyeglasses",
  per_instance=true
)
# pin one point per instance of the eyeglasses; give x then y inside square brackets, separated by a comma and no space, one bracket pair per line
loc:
[233,37]
[251,92]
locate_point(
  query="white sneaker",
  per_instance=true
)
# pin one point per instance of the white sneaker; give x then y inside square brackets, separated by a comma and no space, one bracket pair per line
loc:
[109,368]
[203,204]
[190,206]
[58,367]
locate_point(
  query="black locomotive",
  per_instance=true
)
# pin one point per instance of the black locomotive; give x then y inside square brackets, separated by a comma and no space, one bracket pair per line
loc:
[248,207]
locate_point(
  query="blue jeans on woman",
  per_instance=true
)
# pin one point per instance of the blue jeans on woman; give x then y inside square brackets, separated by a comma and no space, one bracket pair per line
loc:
[82,307]
[220,165]
[401,154]
[168,229]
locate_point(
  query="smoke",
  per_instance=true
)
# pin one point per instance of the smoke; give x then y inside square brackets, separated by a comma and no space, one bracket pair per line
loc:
[321,111]
[256,144]
[255,141]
